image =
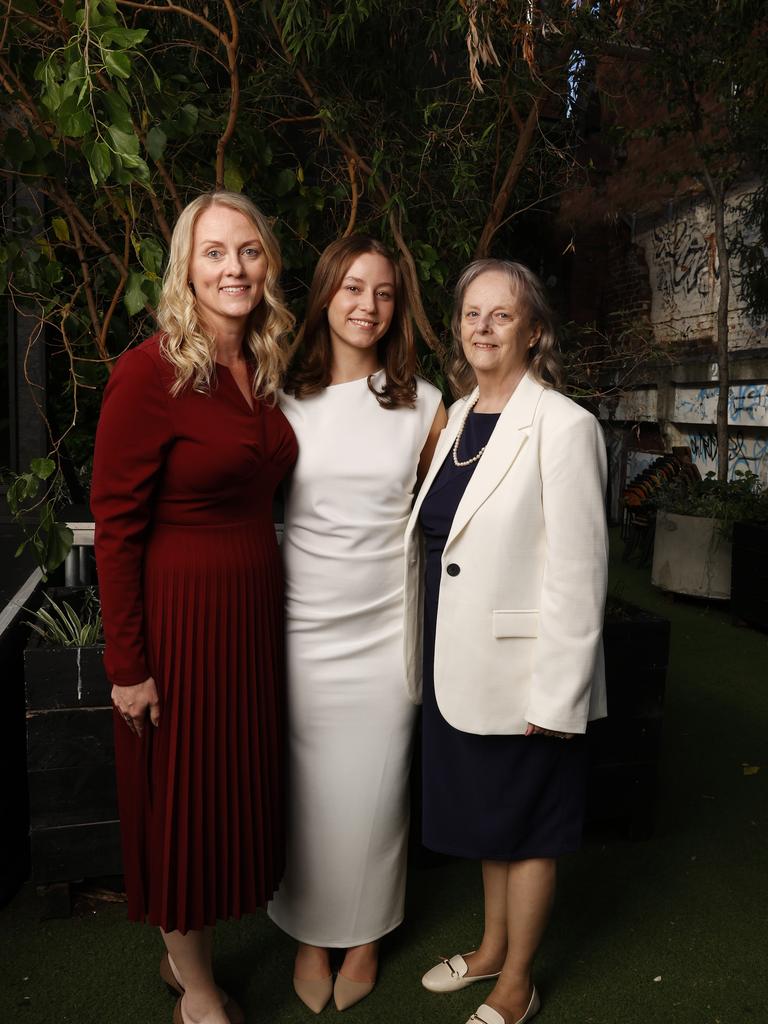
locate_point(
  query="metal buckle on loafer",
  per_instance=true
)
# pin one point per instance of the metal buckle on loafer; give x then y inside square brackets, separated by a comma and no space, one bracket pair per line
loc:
[449,965]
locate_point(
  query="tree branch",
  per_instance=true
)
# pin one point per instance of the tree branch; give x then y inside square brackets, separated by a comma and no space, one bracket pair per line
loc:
[231,46]
[516,165]
[85,270]
[170,8]
[352,171]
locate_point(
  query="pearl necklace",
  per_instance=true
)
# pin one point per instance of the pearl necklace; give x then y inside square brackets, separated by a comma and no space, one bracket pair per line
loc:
[455,450]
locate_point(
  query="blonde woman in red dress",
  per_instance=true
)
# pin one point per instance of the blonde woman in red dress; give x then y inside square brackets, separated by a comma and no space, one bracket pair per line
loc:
[189,450]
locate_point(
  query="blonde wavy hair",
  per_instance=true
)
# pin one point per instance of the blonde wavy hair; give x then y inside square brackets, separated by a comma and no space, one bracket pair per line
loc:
[187,343]
[545,364]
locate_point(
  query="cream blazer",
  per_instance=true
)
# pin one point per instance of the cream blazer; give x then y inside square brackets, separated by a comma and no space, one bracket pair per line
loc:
[522,591]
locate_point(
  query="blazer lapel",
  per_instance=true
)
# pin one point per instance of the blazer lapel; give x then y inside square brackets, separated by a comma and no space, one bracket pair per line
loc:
[509,436]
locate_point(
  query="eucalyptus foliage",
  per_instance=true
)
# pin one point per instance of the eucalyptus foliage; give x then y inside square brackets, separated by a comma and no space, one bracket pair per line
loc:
[447,129]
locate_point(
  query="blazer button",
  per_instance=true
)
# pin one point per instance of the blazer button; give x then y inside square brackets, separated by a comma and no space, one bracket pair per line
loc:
[453,569]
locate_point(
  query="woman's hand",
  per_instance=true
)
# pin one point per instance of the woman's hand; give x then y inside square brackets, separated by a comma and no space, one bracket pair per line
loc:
[537,729]
[132,703]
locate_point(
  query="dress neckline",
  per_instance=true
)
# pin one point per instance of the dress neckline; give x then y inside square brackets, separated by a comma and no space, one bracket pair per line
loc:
[357,380]
[250,405]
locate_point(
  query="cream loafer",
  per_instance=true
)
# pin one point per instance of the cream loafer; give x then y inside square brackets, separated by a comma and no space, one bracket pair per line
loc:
[486,1014]
[451,975]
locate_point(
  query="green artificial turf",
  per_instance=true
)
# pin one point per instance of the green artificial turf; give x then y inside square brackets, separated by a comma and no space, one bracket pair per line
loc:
[670,930]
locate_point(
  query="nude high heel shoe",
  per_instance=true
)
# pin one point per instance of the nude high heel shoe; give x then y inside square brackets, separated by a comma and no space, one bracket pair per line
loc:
[314,994]
[346,993]
[167,973]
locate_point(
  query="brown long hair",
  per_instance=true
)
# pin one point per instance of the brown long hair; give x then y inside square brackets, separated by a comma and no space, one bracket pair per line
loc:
[544,362]
[310,368]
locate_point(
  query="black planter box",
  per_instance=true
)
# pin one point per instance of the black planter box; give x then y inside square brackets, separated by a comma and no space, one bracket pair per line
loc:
[625,747]
[749,575]
[74,830]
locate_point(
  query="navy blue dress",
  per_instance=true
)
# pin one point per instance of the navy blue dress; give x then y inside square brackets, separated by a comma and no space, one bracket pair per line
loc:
[487,797]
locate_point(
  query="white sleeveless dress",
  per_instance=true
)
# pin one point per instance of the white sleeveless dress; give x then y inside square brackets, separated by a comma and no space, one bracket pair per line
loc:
[350,721]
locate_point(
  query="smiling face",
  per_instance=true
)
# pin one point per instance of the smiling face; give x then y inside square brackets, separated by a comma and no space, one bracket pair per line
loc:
[227,268]
[496,328]
[361,310]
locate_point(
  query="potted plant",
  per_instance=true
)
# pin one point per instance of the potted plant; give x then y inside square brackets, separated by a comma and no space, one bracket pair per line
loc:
[694,532]
[70,755]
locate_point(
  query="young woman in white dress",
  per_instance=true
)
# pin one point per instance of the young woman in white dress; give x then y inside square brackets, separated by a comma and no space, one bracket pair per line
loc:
[366,427]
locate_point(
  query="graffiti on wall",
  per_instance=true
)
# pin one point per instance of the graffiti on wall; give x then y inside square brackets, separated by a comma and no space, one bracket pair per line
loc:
[684,260]
[747,405]
[745,452]
[682,257]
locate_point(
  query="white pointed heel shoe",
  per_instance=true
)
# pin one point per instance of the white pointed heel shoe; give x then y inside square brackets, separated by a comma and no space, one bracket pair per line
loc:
[451,975]
[485,1014]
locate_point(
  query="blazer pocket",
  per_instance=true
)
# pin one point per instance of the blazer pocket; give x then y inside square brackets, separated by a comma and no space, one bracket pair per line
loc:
[514,623]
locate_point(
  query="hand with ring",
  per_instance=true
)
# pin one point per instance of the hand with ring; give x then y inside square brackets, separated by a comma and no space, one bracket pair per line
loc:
[133,702]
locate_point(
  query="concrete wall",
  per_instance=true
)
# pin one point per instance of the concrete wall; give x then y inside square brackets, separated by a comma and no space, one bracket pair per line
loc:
[684,273]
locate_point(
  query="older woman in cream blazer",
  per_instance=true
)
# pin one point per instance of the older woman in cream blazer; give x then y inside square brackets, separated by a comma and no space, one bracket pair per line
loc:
[506,560]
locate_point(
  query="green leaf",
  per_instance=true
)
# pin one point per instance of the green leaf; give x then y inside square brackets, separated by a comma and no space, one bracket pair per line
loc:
[125,143]
[42,468]
[69,10]
[99,160]
[119,114]
[53,96]
[137,166]
[233,176]
[284,182]
[151,255]
[156,142]
[152,289]
[188,117]
[60,541]
[76,71]
[117,63]
[60,229]
[134,298]
[123,37]
[75,125]
[54,272]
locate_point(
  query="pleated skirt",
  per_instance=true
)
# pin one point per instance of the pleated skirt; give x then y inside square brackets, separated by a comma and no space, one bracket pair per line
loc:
[202,796]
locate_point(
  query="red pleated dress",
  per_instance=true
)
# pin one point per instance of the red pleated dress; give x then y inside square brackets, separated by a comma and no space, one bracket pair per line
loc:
[192,594]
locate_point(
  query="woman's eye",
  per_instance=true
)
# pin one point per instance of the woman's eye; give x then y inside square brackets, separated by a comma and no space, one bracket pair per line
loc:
[254,253]
[471,313]
[384,295]
[214,253]
[352,288]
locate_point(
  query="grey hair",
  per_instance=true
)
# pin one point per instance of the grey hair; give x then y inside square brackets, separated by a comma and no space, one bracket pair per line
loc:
[544,362]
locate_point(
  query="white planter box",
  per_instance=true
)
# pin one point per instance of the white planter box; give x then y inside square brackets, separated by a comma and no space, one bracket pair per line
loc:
[691,557]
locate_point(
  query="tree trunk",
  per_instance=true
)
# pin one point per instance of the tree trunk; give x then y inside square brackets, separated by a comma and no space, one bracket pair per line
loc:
[717,191]
[519,159]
